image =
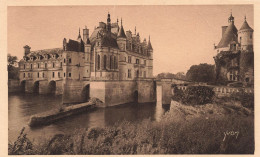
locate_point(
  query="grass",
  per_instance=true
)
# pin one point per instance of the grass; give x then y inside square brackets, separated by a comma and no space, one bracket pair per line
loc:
[174,134]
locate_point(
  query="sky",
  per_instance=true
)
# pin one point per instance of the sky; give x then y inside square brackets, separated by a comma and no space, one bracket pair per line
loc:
[181,35]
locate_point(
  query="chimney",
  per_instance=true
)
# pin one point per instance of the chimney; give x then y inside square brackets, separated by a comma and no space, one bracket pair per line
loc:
[224,29]
[85,34]
[26,50]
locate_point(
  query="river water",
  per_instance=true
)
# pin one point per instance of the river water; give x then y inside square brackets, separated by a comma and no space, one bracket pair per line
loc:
[22,106]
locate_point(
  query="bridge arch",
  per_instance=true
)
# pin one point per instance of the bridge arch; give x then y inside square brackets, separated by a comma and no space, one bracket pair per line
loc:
[85,93]
[22,86]
[36,87]
[52,87]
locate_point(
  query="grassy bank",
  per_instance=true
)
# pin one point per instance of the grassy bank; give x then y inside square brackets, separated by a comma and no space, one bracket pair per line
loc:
[201,133]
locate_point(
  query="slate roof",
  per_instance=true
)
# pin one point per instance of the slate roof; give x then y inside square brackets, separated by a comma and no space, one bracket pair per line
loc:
[108,41]
[229,35]
[47,51]
[245,26]
[121,33]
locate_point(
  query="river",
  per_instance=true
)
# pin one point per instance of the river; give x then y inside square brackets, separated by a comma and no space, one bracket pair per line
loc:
[22,106]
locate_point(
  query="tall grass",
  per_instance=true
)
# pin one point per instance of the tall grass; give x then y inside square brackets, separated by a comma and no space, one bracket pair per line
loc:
[195,136]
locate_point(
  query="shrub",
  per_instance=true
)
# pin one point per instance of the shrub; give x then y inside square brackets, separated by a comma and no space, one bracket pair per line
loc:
[194,95]
[246,99]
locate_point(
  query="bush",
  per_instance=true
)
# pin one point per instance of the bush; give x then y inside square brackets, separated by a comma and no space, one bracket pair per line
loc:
[246,99]
[194,95]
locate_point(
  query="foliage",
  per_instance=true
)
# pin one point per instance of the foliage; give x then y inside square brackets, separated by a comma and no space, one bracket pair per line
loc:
[201,73]
[13,72]
[179,75]
[196,136]
[21,146]
[246,99]
[194,95]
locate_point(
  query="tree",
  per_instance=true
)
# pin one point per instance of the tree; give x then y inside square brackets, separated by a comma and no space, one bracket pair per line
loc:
[201,73]
[180,75]
[13,72]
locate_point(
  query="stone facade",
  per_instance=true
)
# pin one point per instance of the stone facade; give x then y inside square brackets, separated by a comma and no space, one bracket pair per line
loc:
[235,56]
[111,64]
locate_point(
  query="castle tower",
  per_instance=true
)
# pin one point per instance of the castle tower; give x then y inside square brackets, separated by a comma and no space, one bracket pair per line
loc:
[87,70]
[26,50]
[85,34]
[121,38]
[150,53]
[245,36]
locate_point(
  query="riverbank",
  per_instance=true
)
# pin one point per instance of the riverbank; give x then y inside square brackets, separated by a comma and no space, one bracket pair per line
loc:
[183,130]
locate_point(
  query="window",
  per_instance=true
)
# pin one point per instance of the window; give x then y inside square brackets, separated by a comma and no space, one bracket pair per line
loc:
[38,65]
[24,66]
[43,75]
[38,74]
[115,65]
[129,73]
[125,59]
[64,74]
[69,74]
[105,61]
[45,65]
[111,61]
[70,60]
[61,64]
[137,61]
[144,62]
[53,74]
[23,75]
[53,65]
[144,74]
[31,66]
[129,59]
[58,74]
[98,62]
[64,60]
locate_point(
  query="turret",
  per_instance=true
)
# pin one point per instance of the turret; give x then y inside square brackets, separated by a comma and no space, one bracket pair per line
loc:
[245,36]
[79,37]
[26,50]
[85,34]
[121,38]
[65,44]
[108,23]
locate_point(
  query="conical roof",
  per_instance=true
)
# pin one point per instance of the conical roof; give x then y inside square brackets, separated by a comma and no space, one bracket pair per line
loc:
[121,33]
[149,44]
[229,35]
[245,26]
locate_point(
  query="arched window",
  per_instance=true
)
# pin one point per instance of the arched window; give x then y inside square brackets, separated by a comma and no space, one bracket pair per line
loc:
[31,66]
[105,61]
[61,64]
[38,65]
[38,74]
[98,62]
[53,65]
[24,66]
[45,65]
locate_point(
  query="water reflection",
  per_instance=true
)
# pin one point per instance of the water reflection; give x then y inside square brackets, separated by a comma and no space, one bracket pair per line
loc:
[21,107]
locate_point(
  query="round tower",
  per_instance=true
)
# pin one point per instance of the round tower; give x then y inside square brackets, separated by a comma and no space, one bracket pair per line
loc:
[121,38]
[245,36]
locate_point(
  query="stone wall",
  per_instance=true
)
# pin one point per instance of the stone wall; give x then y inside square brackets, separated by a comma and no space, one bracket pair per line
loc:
[119,92]
[13,86]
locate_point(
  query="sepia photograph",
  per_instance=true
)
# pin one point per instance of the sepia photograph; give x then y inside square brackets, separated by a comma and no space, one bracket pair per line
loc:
[131,79]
